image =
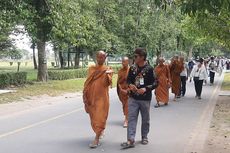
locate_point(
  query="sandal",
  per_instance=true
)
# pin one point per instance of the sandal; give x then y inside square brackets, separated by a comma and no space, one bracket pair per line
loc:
[125,125]
[127,145]
[157,105]
[102,135]
[94,146]
[144,141]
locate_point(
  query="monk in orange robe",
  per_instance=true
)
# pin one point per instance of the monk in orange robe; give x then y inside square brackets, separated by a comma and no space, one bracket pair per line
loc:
[96,95]
[162,73]
[122,87]
[176,67]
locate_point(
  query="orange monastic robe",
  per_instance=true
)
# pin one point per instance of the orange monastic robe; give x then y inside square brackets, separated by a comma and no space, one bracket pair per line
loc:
[175,69]
[164,80]
[96,96]
[122,82]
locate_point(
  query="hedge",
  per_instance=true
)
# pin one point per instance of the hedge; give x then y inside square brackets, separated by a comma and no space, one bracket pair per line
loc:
[67,74]
[12,78]
[72,73]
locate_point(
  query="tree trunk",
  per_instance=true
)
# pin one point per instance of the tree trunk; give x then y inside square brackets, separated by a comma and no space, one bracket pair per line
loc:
[34,58]
[56,58]
[190,52]
[61,59]
[77,58]
[42,62]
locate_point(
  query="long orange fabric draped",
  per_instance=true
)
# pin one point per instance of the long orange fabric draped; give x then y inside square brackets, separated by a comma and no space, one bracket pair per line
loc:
[121,83]
[175,69]
[164,79]
[96,96]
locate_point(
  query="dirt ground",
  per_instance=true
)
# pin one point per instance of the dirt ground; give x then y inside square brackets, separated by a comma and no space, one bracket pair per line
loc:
[218,140]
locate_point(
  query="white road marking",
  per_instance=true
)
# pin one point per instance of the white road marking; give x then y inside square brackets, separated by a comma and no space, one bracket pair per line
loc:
[38,123]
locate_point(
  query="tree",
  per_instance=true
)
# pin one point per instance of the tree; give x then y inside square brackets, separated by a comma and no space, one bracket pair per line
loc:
[211,16]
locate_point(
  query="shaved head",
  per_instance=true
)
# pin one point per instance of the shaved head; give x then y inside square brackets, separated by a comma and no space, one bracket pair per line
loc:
[125,62]
[125,58]
[101,56]
[161,60]
[101,53]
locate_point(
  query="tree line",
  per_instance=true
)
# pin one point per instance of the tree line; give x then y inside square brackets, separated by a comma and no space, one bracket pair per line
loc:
[195,27]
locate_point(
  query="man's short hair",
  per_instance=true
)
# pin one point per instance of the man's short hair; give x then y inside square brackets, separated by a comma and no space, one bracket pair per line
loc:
[141,52]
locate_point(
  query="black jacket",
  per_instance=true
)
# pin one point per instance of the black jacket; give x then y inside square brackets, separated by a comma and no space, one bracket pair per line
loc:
[145,73]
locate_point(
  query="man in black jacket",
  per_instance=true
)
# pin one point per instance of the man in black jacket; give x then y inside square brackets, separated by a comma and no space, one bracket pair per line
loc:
[141,81]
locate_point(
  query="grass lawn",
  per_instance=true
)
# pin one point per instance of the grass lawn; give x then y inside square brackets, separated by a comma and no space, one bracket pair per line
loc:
[51,88]
[31,72]
[33,88]
[226,83]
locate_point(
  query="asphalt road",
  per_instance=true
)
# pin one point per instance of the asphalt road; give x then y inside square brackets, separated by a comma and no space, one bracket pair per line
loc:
[65,128]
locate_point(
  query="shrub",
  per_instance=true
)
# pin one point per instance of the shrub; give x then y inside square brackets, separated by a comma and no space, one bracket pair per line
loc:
[11,78]
[67,74]
[72,73]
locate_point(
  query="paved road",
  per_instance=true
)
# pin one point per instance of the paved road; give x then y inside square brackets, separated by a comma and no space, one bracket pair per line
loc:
[65,127]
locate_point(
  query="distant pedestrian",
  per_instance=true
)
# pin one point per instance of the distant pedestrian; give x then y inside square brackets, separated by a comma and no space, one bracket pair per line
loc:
[164,83]
[199,74]
[227,64]
[122,88]
[176,68]
[191,64]
[183,77]
[212,69]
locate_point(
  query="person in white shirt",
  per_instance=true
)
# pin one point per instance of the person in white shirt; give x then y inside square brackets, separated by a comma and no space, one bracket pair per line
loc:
[212,69]
[199,74]
[184,77]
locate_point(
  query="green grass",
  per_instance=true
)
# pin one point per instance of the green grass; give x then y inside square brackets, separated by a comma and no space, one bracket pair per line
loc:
[51,88]
[226,82]
[31,72]
[33,88]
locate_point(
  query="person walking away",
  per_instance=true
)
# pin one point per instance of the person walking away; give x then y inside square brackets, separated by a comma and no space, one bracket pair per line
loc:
[122,88]
[212,69]
[96,96]
[141,81]
[164,83]
[199,74]
[191,64]
[227,64]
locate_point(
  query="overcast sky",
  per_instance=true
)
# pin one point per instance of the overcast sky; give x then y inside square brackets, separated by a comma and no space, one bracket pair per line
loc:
[23,41]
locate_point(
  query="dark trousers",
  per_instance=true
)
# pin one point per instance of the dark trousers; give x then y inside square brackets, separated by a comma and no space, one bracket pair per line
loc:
[183,85]
[212,76]
[198,87]
[134,107]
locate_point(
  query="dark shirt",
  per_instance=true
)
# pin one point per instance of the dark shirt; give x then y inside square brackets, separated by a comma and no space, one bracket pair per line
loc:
[146,74]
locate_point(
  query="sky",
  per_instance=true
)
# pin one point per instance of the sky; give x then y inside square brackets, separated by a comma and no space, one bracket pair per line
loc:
[23,41]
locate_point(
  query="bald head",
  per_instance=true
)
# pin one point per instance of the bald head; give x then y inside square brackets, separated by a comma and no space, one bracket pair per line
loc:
[101,56]
[125,62]
[161,60]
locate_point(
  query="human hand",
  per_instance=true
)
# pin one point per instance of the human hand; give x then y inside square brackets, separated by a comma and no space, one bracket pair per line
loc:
[132,87]
[141,91]
[109,71]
